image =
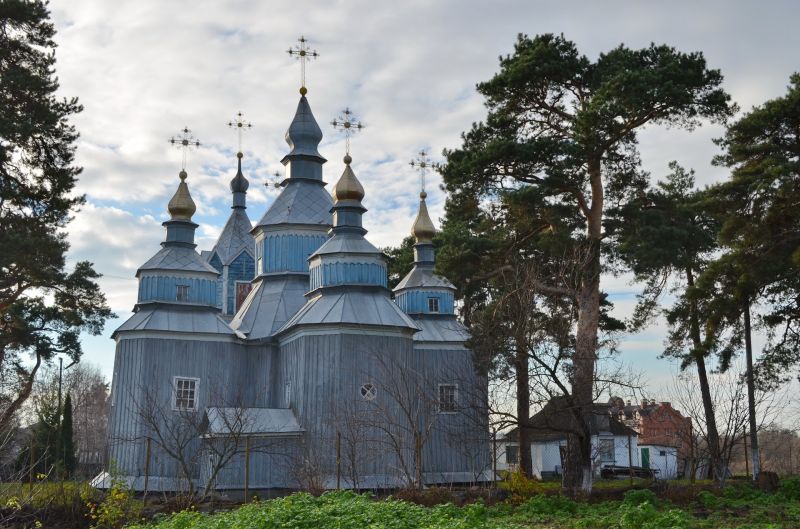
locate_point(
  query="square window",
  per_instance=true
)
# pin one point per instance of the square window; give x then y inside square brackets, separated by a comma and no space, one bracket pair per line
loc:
[182,292]
[605,450]
[512,454]
[433,304]
[448,398]
[185,394]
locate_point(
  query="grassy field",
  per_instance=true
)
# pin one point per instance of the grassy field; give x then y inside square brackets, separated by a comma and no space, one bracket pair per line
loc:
[739,507]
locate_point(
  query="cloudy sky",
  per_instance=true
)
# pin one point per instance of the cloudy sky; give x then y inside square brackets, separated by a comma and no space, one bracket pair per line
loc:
[144,68]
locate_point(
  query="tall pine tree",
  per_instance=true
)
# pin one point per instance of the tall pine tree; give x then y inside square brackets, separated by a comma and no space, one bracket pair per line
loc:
[43,305]
[565,127]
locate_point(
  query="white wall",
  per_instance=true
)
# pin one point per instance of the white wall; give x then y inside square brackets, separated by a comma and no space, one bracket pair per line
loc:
[666,464]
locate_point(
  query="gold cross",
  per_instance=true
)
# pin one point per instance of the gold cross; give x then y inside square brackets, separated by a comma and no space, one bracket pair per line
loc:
[239,125]
[422,163]
[184,141]
[348,125]
[303,54]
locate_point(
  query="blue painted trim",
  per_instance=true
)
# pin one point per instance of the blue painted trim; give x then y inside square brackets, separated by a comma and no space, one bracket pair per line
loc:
[331,274]
[289,253]
[164,288]
[416,302]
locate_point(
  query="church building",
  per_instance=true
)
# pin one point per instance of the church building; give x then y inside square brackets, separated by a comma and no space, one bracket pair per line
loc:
[280,359]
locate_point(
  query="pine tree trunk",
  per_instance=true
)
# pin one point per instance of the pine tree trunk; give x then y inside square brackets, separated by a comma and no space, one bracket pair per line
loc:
[751,392]
[578,478]
[717,464]
[523,408]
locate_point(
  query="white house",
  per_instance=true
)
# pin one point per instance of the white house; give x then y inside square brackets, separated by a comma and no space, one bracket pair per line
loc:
[613,443]
[662,458]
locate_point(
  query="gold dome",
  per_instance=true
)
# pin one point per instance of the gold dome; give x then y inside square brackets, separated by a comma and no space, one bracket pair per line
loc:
[348,187]
[181,206]
[423,228]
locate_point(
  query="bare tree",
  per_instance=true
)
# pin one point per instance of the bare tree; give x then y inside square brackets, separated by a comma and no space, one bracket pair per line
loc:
[185,435]
[403,415]
[730,404]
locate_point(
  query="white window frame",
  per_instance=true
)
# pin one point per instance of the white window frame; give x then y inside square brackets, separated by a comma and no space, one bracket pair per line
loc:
[433,300]
[178,292]
[455,398]
[175,380]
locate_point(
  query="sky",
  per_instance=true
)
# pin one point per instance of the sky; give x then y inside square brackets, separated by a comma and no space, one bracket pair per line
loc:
[144,69]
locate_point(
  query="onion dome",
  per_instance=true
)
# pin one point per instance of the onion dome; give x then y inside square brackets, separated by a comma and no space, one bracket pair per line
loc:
[181,206]
[348,187]
[304,134]
[423,228]
[239,184]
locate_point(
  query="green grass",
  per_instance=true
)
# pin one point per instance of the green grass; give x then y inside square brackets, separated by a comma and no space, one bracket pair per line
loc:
[737,508]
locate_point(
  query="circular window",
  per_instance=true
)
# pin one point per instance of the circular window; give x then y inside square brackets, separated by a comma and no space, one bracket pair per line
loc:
[369,391]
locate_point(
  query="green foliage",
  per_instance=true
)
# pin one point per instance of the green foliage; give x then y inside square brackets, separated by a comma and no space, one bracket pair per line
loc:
[67,440]
[639,496]
[789,488]
[401,260]
[760,205]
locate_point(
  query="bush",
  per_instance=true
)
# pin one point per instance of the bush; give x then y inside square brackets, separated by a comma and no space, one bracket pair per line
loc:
[646,516]
[539,506]
[116,508]
[789,488]
[708,499]
[640,496]
[520,486]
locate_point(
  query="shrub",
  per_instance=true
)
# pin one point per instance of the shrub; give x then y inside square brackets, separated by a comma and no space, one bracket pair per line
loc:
[708,499]
[520,486]
[789,488]
[539,506]
[116,508]
[640,496]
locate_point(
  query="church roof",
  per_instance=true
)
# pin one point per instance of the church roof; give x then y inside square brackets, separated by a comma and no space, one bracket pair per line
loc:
[351,307]
[268,306]
[423,277]
[300,202]
[347,245]
[251,421]
[440,329]
[235,237]
[179,259]
[173,318]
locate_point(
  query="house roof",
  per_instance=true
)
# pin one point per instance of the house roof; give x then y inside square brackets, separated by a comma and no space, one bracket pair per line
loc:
[178,258]
[269,305]
[235,238]
[251,421]
[557,420]
[175,318]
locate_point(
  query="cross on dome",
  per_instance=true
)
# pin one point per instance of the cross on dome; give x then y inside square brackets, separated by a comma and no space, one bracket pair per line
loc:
[347,124]
[239,125]
[422,163]
[303,54]
[184,141]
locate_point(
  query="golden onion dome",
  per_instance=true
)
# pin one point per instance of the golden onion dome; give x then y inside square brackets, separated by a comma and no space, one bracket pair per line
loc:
[423,228]
[181,206]
[348,187]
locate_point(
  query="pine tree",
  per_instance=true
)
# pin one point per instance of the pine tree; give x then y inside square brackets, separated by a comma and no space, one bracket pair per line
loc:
[43,306]
[565,127]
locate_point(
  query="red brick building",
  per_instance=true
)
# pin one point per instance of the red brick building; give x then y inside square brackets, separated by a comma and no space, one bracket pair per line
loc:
[657,423]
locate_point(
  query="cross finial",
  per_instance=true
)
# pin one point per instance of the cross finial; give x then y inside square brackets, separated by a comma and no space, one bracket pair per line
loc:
[239,125]
[348,124]
[422,163]
[184,141]
[303,54]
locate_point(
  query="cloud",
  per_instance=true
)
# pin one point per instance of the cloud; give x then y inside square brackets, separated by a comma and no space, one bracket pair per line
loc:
[145,69]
